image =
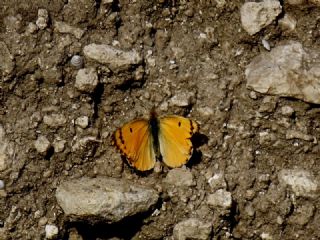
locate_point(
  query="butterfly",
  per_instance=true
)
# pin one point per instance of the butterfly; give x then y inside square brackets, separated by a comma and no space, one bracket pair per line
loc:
[142,141]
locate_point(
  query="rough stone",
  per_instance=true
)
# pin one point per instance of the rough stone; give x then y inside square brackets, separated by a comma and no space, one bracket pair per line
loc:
[104,198]
[257,15]
[82,121]
[302,214]
[182,99]
[58,145]
[301,182]
[217,181]
[115,58]
[288,71]
[287,111]
[55,120]
[86,80]
[3,150]
[6,60]
[294,134]
[220,199]
[179,177]
[42,144]
[192,228]
[63,27]
[43,18]
[51,231]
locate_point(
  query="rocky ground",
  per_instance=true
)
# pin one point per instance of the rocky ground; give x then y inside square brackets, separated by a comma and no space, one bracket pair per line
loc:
[72,72]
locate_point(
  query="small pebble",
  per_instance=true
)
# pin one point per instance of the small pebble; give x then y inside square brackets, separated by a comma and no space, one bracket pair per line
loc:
[266,44]
[51,231]
[54,120]
[182,99]
[42,144]
[82,122]
[253,95]
[86,80]
[1,184]
[221,198]
[59,145]
[43,18]
[287,111]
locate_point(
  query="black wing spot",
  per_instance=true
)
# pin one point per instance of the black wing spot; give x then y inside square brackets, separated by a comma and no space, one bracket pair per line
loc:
[179,124]
[131,130]
[191,126]
[121,137]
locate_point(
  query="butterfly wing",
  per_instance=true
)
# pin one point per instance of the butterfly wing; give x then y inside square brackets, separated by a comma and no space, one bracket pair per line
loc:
[135,142]
[174,139]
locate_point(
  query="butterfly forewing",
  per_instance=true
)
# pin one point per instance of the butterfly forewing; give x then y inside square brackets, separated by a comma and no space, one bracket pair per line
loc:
[135,141]
[174,139]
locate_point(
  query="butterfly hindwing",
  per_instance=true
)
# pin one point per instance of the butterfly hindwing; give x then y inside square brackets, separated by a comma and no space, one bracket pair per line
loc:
[135,141]
[174,139]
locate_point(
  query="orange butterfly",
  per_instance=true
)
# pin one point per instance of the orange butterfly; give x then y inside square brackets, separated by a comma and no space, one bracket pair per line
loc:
[141,141]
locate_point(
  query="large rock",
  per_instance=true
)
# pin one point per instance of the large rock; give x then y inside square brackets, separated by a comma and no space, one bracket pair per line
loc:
[288,71]
[115,58]
[301,182]
[257,15]
[106,199]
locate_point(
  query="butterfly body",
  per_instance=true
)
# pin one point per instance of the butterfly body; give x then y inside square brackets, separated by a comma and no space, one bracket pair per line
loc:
[142,141]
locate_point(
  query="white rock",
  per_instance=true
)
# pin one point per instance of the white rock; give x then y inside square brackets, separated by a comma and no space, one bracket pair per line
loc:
[217,181]
[55,120]
[82,121]
[63,27]
[287,111]
[179,177]
[42,144]
[58,145]
[266,44]
[31,28]
[86,80]
[43,18]
[192,228]
[182,99]
[266,236]
[110,199]
[257,15]
[301,181]
[115,58]
[287,70]
[51,231]
[220,199]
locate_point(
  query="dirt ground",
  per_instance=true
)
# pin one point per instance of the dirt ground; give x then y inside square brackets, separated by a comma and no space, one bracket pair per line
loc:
[178,63]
